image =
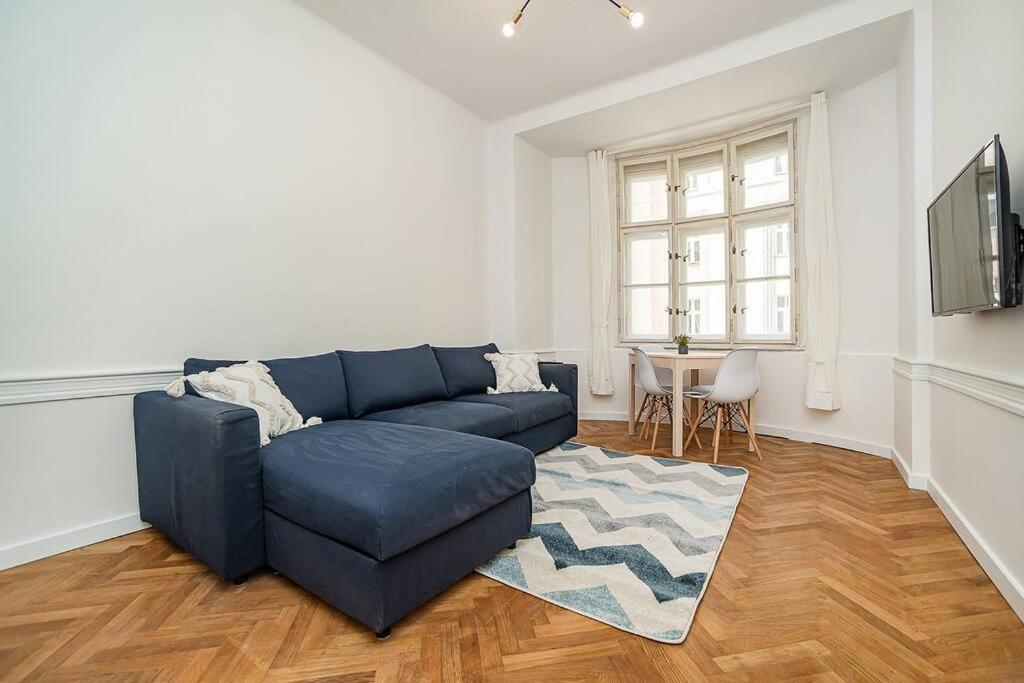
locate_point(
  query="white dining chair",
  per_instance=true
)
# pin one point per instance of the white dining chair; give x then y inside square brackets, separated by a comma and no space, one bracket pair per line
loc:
[736,382]
[664,377]
[657,396]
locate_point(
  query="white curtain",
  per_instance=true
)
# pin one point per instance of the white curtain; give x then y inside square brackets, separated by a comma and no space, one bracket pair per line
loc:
[600,276]
[822,271]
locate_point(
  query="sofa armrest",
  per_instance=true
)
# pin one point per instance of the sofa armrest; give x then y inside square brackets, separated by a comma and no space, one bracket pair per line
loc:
[565,376]
[200,478]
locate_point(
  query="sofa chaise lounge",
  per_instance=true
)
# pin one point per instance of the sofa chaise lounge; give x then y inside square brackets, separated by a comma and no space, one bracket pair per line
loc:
[415,477]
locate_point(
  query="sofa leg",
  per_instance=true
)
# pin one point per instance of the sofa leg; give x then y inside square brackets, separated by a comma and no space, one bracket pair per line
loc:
[384,635]
[239,580]
[513,546]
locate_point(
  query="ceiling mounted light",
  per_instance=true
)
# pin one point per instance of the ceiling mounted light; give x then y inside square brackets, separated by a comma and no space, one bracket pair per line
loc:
[509,29]
[635,19]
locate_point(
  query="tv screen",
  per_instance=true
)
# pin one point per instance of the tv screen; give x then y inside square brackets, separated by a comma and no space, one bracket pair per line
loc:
[972,240]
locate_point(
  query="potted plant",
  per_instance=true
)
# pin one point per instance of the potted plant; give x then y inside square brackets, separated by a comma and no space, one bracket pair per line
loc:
[683,341]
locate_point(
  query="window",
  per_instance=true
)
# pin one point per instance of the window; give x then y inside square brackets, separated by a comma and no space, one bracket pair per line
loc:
[706,237]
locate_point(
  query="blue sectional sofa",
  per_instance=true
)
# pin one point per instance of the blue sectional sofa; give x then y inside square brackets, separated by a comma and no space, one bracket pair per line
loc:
[415,477]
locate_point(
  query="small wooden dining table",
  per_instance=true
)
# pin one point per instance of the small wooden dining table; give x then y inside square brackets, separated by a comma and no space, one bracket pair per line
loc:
[679,363]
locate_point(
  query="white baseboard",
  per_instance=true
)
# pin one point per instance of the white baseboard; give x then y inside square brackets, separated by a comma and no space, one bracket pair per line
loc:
[1007,584]
[38,548]
[826,440]
[611,415]
[768,430]
[914,481]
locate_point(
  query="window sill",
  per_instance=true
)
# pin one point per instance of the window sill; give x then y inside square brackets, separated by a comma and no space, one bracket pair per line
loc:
[720,347]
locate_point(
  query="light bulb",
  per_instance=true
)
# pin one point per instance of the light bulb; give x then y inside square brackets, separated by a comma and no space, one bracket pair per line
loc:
[636,20]
[508,30]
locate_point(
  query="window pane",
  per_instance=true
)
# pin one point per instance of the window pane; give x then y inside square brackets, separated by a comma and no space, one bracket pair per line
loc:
[703,256]
[704,310]
[702,185]
[647,317]
[764,171]
[646,196]
[646,257]
[765,309]
[764,248]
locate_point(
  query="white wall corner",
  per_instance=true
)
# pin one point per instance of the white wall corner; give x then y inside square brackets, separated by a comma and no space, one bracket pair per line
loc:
[913,480]
[919,373]
[499,238]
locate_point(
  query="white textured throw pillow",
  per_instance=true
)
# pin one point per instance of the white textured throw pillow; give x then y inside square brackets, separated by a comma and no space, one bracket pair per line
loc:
[516,372]
[250,385]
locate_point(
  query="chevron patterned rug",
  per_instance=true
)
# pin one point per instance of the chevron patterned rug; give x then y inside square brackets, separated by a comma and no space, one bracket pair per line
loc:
[628,540]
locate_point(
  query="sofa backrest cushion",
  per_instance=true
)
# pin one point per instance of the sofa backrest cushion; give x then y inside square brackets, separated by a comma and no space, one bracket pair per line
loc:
[465,369]
[379,380]
[314,384]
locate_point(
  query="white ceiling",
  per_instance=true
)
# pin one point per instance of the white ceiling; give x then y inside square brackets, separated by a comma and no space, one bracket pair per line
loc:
[561,46]
[832,65]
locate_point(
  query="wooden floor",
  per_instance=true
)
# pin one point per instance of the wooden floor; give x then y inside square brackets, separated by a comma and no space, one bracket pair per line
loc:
[833,570]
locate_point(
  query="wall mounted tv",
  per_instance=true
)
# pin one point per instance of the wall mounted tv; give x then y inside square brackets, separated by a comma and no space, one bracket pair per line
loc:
[975,241]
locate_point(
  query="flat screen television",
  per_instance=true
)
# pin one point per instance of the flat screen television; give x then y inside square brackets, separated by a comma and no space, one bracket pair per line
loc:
[975,240]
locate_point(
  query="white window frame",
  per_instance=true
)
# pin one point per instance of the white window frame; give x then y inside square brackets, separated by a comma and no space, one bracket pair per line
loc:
[679,227]
[681,231]
[624,288]
[623,198]
[737,180]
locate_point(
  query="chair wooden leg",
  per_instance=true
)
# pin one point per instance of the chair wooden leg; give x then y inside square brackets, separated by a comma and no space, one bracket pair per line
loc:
[693,430]
[657,421]
[718,430]
[750,432]
[728,423]
[649,416]
[643,404]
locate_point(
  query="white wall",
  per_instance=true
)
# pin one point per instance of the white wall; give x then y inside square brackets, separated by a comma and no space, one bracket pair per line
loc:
[903,433]
[978,92]
[532,248]
[976,462]
[230,179]
[864,136]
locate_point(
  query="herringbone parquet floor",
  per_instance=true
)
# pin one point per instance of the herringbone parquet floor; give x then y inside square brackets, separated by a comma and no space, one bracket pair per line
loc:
[833,570]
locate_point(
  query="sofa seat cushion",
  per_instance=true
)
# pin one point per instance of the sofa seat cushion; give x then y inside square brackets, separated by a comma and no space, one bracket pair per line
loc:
[531,408]
[482,419]
[385,488]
